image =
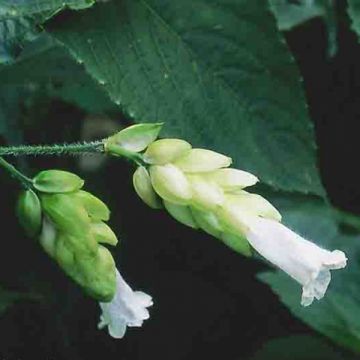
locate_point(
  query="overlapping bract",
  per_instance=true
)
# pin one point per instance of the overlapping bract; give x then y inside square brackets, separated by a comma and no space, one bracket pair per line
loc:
[199,189]
[71,227]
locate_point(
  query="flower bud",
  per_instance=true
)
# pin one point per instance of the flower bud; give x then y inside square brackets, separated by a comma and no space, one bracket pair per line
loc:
[94,271]
[57,181]
[206,195]
[95,208]
[232,179]
[29,212]
[72,229]
[103,233]
[165,151]
[202,160]
[69,216]
[181,213]
[134,138]
[170,183]
[144,188]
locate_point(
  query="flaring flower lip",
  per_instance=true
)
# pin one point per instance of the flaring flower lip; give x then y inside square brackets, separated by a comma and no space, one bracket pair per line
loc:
[303,260]
[127,308]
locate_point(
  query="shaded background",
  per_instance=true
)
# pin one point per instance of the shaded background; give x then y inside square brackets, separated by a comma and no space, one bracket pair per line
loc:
[206,300]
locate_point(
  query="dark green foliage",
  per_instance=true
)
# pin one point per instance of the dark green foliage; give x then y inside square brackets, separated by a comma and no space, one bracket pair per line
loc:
[220,75]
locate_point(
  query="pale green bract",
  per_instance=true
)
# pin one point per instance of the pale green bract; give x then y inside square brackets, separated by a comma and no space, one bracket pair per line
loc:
[70,225]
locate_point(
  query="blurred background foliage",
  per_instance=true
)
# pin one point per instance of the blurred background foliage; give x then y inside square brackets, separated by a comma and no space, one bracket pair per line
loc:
[272,84]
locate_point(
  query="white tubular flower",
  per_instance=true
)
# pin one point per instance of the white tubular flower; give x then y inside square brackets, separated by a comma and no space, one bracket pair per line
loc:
[303,260]
[127,308]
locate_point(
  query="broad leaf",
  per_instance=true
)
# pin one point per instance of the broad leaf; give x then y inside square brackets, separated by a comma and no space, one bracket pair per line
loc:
[18,20]
[40,61]
[25,8]
[298,347]
[337,314]
[44,63]
[290,14]
[354,15]
[13,34]
[217,73]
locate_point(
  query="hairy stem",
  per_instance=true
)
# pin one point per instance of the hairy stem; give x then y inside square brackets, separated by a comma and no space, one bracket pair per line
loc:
[57,149]
[16,174]
[129,155]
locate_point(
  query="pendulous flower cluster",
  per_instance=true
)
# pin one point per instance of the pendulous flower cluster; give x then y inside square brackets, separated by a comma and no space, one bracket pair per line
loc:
[200,189]
[70,225]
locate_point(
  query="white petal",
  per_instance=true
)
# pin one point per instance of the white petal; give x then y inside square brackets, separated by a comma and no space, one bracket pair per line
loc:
[127,308]
[117,329]
[144,299]
[303,260]
[48,236]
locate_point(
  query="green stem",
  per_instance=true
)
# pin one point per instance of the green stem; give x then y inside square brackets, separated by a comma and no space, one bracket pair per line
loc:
[72,149]
[57,149]
[24,180]
[122,152]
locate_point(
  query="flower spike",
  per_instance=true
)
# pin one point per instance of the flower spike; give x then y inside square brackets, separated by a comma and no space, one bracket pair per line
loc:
[199,189]
[70,225]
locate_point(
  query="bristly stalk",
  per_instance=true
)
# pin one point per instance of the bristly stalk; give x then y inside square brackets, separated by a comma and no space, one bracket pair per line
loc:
[56,149]
[16,174]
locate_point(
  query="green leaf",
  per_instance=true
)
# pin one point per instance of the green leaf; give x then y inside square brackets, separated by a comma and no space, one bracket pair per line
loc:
[217,73]
[41,61]
[19,18]
[354,15]
[298,347]
[13,34]
[290,14]
[337,314]
[45,64]
[22,8]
